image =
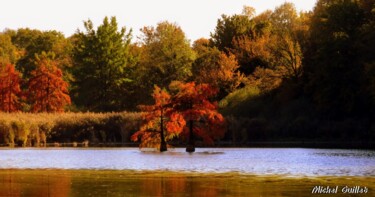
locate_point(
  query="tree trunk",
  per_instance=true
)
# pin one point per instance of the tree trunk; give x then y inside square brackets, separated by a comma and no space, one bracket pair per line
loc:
[191,141]
[163,144]
[10,96]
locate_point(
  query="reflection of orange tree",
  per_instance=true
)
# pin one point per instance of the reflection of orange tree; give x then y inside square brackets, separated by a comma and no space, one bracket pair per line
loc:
[168,117]
[160,124]
[181,185]
[35,183]
[162,186]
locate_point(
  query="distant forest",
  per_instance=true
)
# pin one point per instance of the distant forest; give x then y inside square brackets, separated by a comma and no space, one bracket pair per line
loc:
[280,74]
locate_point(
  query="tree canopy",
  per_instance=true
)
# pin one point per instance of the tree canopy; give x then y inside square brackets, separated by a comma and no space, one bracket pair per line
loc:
[47,91]
[10,91]
[103,63]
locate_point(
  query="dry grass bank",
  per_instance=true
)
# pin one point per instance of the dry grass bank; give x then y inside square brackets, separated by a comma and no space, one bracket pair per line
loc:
[28,129]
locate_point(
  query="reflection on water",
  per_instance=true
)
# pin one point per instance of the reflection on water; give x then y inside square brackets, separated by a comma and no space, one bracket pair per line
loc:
[258,161]
[129,183]
[208,172]
[34,184]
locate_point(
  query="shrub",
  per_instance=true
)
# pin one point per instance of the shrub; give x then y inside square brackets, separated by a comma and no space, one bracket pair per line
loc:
[237,101]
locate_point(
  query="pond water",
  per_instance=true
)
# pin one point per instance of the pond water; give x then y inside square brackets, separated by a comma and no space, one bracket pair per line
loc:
[254,161]
[207,172]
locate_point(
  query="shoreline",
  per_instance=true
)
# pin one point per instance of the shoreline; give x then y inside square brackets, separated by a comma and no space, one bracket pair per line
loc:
[224,144]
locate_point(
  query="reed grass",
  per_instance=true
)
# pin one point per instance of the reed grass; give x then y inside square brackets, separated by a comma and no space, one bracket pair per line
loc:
[30,129]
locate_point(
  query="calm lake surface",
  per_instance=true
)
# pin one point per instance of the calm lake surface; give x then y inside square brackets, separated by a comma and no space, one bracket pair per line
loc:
[255,161]
[207,172]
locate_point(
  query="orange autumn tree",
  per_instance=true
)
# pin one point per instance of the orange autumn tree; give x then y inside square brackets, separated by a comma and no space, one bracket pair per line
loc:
[47,91]
[10,91]
[160,124]
[203,120]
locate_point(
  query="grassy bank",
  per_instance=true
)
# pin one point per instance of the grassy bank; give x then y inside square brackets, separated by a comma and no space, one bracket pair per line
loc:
[156,183]
[27,129]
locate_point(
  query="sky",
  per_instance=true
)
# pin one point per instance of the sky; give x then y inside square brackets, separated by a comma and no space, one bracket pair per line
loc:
[197,18]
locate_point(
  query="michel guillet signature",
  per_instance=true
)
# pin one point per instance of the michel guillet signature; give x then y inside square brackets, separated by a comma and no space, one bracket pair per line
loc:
[337,189]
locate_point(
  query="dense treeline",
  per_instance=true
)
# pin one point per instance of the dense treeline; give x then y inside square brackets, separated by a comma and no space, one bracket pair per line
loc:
[280,74]
[326,93]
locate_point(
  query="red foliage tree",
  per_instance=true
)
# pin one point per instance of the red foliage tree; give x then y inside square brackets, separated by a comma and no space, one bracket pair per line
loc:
[192,103]
[10,91]
[160,124]
[47,91]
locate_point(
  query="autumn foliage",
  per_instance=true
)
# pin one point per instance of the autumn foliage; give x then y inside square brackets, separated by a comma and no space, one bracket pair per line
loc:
[10,91]
[160,125]
[188,112]
[222,73]
[203,120]
[47,91]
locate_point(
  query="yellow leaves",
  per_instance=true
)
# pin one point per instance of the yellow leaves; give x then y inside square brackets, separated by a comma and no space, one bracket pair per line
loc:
[219,70]
[290,57]
[265,79]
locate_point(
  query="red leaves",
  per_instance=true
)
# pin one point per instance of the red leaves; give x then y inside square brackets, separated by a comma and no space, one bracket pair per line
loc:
[159,122]
[47,92]
[10,91]
[170,115]
[175,123]
[192,102]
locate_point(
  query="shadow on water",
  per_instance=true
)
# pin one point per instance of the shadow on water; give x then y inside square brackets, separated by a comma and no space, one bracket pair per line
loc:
[172,152]
[158,183]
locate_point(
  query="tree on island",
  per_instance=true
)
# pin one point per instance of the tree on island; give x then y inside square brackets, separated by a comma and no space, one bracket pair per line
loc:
[160,124]
[192,103]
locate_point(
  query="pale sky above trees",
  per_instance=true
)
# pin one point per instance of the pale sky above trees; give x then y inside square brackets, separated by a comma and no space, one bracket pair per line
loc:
[196,17]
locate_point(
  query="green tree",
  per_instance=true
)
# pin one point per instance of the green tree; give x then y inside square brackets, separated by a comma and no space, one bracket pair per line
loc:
[366,47]
[34,42]
[229,28]
[247,37]
[333,60]
[103,63]
[165,56]
[284,18]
